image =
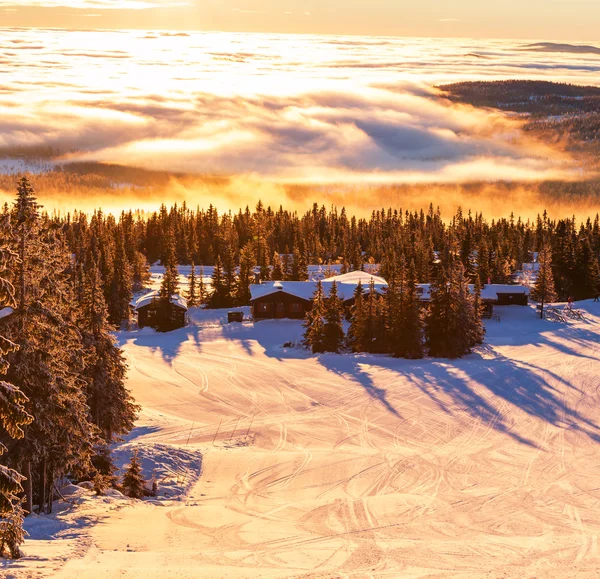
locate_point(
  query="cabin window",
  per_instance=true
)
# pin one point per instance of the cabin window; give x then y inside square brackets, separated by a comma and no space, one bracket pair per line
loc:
[264,307]
[295,308]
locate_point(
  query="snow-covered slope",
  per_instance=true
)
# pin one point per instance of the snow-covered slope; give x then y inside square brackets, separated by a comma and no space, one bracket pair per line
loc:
[361,466]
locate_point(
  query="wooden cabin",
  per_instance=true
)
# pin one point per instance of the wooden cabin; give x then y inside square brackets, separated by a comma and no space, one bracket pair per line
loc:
[148,315]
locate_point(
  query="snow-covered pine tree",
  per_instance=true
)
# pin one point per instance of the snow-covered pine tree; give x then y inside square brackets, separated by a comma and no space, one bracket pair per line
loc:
[111,406]
[134,485]
[478,325]
[333,331]
[13,417]
[192,293]
[543,290]
[121,286]
[49,364]
[314,322]
[140,271]
[12,534]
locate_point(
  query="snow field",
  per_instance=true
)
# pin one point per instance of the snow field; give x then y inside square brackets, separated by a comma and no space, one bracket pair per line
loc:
[356,465]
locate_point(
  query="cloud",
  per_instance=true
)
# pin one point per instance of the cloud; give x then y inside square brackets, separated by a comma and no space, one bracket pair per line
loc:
[248,105]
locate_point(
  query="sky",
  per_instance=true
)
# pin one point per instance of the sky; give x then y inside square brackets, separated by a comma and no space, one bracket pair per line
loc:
[568,20]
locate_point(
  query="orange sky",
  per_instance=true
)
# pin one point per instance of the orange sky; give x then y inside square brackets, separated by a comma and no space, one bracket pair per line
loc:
[573,20]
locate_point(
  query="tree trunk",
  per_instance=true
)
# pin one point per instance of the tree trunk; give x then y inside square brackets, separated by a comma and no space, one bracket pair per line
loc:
[28,488]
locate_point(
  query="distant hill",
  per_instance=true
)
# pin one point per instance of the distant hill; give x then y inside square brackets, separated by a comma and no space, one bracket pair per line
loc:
[556,112]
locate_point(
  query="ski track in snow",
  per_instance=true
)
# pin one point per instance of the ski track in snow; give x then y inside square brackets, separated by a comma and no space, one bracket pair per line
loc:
[359,466]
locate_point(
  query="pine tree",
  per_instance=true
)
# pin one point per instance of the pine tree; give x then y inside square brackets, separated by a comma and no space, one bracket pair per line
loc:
[440,327]
[111,406]
[169,288]
[333,330]
[286,265]
[587,272]
[48,366]
[277,271]
[192,293]
[134,485]
[543,291]
[405,327]
[12,534]
[357,332]
[218,297]
[246,276]
[13,417]
[453,325]
[121,286]
[314,322]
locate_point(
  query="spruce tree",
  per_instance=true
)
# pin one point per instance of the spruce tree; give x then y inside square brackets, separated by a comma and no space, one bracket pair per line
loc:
[121,286]
[218,297]
[277,271]
[13,417]
[357,332]
[440,327]
[246,276]
[48,366]
[543,290]
[314,322]
[192,293]
[12,534]
[405,327]
[111,406]
[134,485]
[169,287]
[333,331]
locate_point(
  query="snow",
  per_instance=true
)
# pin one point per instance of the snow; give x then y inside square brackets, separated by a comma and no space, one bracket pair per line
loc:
[148,297]
[347,465]
[305,289]
[15,166]
[4,312]
[355,277]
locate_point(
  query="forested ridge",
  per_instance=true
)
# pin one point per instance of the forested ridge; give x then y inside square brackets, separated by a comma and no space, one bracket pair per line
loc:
[556,112]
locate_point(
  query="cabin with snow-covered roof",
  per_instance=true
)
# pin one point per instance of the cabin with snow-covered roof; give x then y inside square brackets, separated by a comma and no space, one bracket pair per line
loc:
[145,307]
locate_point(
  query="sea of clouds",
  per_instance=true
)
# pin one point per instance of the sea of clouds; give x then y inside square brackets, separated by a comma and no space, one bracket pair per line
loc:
[287,108]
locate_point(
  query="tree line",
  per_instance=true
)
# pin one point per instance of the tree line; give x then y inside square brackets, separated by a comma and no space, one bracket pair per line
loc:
[263,244]
[63,399]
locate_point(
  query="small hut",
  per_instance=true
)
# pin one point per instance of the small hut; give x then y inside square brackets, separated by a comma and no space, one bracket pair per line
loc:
[152,313]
